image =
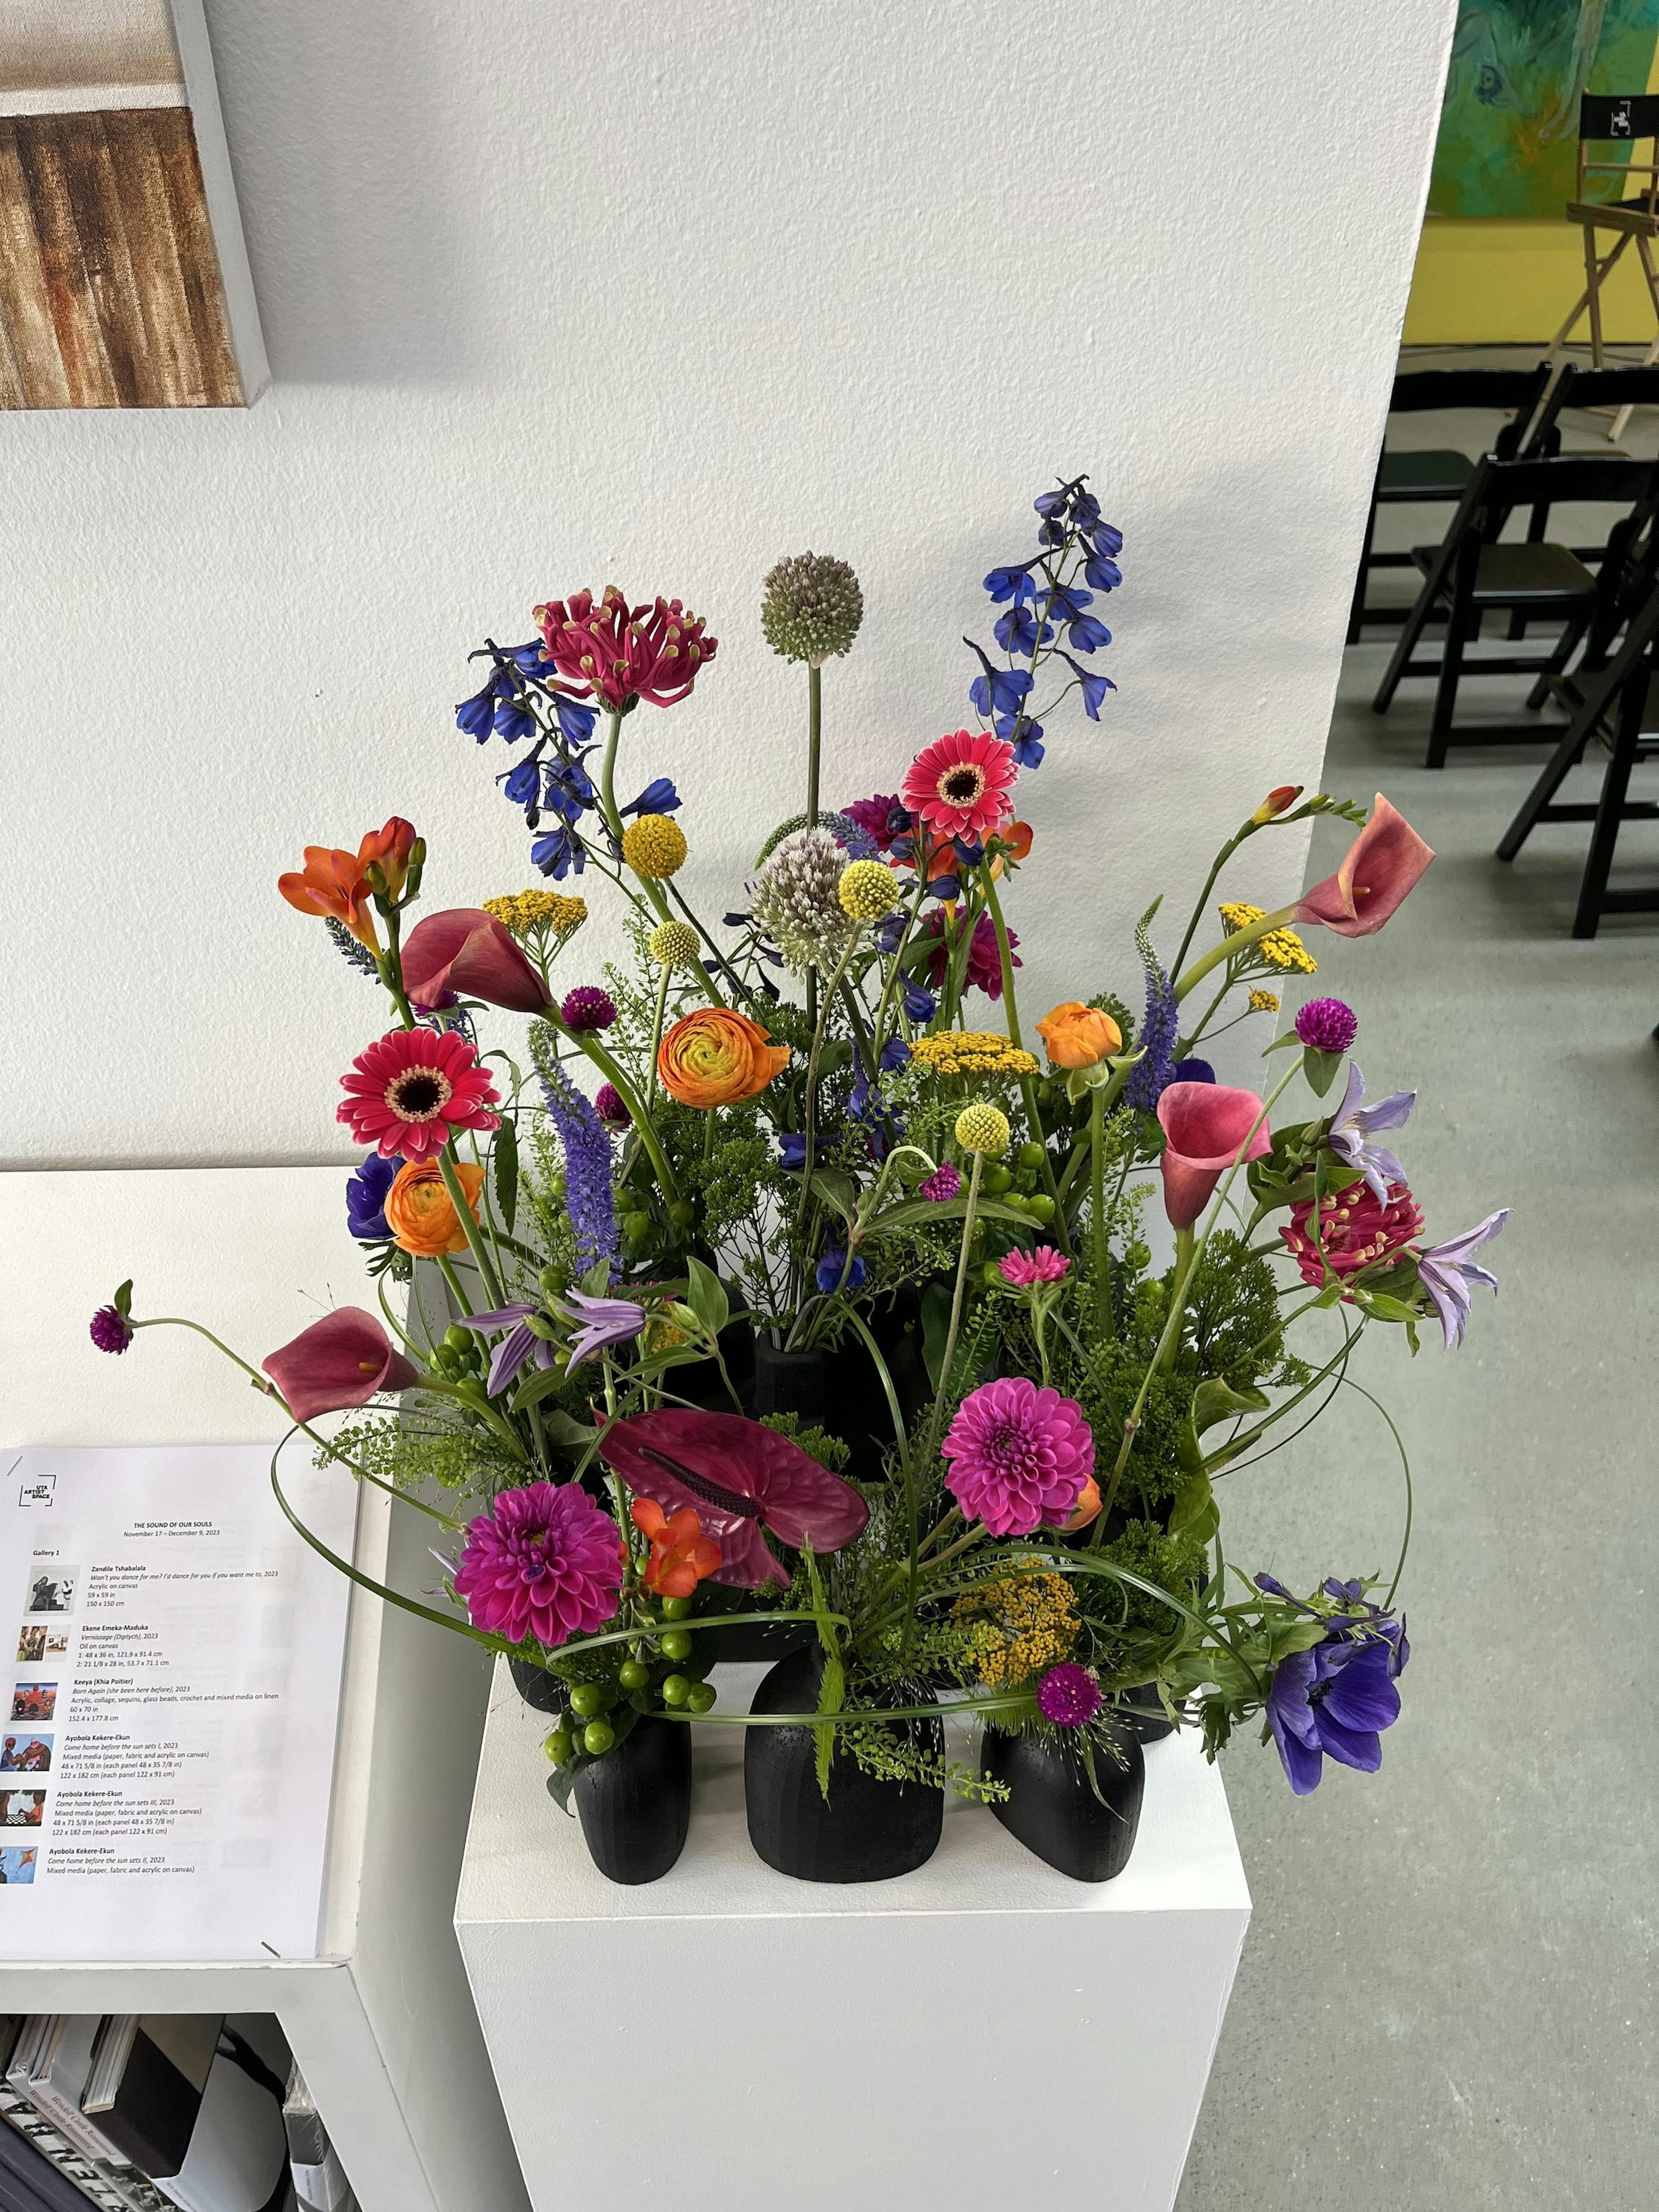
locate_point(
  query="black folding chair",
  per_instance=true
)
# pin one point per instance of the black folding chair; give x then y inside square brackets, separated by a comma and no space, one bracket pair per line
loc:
[1621,389]
[1441,476]
[1471,575]
[1614,707]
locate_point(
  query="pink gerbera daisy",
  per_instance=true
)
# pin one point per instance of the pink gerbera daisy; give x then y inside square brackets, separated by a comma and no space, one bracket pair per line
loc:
[412,1088]
[1019,1456]
[959,785]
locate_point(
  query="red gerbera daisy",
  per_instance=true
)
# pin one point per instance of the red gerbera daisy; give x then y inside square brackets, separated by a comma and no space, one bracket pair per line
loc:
[412,1088]
[959,785]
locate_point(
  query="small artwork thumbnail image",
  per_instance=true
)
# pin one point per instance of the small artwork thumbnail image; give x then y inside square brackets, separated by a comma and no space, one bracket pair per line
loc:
[26,1753]
[36,1642]
[22,1809]
[33,1701]
[51,1589]
[17,1863]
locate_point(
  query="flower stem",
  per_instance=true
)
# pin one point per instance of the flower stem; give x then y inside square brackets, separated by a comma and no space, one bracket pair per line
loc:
[1240,941]
[936,1417]
[841,968]
[814,747]
[656,1037]
[1101,1263]
[470,1230]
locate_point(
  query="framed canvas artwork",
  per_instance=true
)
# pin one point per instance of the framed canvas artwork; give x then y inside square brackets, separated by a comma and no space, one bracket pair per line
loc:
[124,278]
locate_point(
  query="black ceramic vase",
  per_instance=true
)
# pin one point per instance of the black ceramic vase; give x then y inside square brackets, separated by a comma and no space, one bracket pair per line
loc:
[545,1692]
[1143,1716]
[841,1390]
[869,1831]
[1053,1812]
[635,1804]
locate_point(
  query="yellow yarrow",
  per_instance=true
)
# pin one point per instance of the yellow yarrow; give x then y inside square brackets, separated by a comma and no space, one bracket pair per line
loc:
[971,1052]
[527,912]
[1280,948]
[983,1128]
[1264,1002]
[675,944]
[865,890]
[654,847]
[1019,1627]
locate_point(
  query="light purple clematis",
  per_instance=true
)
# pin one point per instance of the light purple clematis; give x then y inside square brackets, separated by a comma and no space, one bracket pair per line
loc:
[1448,1274]
[601,1322]
[520,1344]
[1354,1124]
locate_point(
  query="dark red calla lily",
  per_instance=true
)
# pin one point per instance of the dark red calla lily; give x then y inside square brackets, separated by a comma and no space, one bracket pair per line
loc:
[337,1364]
[743,1479]
[1378,871]
[1207,1126]
[468,952]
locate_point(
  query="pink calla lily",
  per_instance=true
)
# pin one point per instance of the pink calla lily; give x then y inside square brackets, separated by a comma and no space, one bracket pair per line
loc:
[744,1479]
[1208,1126]
[468,952]
[338,1363]
[1378,871]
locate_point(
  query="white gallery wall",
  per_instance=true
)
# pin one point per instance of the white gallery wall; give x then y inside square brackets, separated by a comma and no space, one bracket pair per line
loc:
[557,297]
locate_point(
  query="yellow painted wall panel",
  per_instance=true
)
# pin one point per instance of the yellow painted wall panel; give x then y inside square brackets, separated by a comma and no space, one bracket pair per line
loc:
[1486,282]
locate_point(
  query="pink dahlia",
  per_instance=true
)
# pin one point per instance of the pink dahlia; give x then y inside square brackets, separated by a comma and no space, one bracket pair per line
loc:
[412,1088]
[1019,1456]
[545,1562]
[959,785]
[617,653]
[1356,1230]
[984,970]
[1045,1265]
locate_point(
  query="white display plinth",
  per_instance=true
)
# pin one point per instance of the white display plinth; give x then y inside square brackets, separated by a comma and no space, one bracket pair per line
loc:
[981,2033]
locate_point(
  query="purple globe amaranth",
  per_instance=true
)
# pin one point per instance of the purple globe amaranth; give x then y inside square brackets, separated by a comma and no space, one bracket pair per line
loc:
[1326,1025]
[608,1105]
[110,1330]
[543,1562]
[587,1008]
[942,1185]
[1069,1695]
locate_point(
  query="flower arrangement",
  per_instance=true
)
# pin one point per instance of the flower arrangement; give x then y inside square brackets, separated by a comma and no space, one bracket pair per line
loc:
[788,1294]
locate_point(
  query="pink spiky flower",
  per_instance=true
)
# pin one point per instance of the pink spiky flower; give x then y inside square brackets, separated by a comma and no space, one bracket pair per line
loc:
[1018,1456]
[617,654]
[1023,1269]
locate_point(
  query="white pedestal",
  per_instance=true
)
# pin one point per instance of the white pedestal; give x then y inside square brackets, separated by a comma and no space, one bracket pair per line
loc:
[981,2034]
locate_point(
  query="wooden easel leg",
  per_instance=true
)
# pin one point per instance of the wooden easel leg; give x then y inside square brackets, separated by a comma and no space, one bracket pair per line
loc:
[1621,419]
[1593,274]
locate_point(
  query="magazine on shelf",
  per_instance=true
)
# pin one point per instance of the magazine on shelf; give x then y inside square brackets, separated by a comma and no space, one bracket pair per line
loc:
[153,2103]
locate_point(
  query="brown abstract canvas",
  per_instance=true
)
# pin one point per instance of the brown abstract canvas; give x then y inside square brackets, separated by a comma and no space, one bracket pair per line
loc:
[123,276]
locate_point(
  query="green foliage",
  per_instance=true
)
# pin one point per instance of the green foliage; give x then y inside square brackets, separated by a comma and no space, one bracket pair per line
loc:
[818,1444]
[426,1447]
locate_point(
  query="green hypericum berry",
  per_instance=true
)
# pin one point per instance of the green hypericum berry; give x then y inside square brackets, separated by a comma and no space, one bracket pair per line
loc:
[633,1675]
[676,1645]
[558,1746]
[1031,1155]
[459,1339]
[995,1180]
[597,1737]
[812,608]
[636,1227]
[675,1609]
[588,1699]
[677,1689]
[700,1697]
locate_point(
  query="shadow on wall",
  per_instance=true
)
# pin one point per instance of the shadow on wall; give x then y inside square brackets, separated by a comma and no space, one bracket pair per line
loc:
[348,156]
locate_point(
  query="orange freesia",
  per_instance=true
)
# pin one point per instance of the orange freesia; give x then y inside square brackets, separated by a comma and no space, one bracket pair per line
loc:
[336,883]
[1016,836]
[1077,1036]
[681,1555]
[1087,1506]
[420,1212]
[1282,797]
[714,1057]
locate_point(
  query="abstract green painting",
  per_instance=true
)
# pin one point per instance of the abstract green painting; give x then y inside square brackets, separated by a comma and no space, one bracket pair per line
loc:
[1508,130]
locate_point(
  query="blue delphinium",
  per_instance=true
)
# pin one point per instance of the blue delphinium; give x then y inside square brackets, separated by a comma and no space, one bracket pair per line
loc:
[366,1199]
[520,701]
[836,1272]
[588,1194]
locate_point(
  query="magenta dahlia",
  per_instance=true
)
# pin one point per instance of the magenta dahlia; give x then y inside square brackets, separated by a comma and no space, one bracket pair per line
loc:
[412,1088]
[1045,1265]
[545,1562]
[1069,1695]
[959,785]
[1019,1456]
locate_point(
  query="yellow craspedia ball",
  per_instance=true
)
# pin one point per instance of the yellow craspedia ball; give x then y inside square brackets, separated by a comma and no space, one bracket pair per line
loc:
[675,943]
[654,846]
[865,890]
[983,1128]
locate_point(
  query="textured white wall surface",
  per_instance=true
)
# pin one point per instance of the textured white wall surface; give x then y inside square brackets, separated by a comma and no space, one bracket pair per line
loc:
[556,296]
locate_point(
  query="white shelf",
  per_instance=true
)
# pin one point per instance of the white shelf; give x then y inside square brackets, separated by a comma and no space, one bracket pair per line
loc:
[946,2039]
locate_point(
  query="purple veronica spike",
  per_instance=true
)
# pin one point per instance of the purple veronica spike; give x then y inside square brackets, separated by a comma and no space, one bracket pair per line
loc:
[588,1199]
[520,1344]
[1354,1124]
[1448,1273]
[600,1322]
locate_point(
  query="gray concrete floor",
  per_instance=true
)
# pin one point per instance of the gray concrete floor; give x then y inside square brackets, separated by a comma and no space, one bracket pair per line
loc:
[1447,1995]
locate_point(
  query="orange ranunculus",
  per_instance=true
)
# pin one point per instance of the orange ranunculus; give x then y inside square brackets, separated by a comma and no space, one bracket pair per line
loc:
[681,1555]
[714,1057]
[337,883]
[420,1212]
[1078,1036]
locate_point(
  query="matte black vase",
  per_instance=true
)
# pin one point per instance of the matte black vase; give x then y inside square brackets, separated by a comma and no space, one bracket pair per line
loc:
[545,1692]
[869,1831]
[753,1641]
[841,1390]
[635,1804]
[1143,1716]
[1053,1811]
